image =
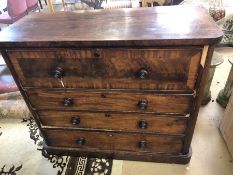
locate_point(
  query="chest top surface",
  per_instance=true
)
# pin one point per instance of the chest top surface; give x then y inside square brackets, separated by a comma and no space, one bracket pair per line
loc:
[180,25]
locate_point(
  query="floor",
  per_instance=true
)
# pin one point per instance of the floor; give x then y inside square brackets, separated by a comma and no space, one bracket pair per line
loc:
[26,144]
[5,76]
[210,154]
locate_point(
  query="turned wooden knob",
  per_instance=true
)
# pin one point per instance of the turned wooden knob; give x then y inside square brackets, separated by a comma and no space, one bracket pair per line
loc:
[80,141]
[97,53]
[75,120]
[142,124]
[143,74]
[142,104]
[142,144]
[68,102]
[58,73]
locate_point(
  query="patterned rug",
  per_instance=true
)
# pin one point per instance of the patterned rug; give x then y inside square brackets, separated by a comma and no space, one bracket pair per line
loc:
[7,83]
[12,105]
[22,154]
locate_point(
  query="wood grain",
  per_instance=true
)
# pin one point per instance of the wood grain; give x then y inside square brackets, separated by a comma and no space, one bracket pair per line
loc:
[163,26]
[204,54]
[202,76]
[110,101]
[168,43]
[114,141]
[115,68]
[120,155]
[172,124]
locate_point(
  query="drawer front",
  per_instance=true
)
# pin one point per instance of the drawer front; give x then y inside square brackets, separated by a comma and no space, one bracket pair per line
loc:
[165,68]
[114,141]
[109,101]
[115,121]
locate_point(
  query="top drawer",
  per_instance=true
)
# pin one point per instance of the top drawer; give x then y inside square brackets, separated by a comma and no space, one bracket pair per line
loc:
[113,68]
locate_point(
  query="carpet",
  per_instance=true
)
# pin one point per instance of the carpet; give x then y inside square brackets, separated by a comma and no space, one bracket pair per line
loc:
[22,154]
[7,83]
[12,105]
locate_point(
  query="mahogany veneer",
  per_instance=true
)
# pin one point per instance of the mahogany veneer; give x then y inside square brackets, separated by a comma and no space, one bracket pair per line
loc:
[119,83]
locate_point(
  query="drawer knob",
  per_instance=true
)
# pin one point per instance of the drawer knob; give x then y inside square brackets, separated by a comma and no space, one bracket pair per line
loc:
[80,141]
[142,104]
[75,120]
[68,102]
[58,73]
[97,53]
[143,74]
[142,144]
[142,124]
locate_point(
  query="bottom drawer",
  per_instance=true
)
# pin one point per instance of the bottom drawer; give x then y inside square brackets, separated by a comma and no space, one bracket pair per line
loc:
[114,141]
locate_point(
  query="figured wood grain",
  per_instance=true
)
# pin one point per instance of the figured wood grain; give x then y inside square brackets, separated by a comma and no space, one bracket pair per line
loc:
[174,31]
[114,141]
[110,101]
[22,92]
[115,68]
[119,121]
[201,79]
[180,25]
[193,71]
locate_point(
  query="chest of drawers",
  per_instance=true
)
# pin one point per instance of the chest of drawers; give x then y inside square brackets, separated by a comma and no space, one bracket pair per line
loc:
[123,83]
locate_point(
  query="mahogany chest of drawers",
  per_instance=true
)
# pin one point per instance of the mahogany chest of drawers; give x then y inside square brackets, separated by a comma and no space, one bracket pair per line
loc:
[122,83]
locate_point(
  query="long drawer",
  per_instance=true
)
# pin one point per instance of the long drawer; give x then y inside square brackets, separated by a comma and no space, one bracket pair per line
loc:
[111,68]
[109,101]
[114,141]
[115,121]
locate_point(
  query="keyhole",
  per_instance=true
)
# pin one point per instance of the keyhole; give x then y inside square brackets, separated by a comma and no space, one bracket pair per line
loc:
[103,95]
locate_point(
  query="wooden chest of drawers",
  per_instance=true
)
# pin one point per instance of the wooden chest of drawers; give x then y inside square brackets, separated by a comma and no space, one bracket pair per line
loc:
[123,84]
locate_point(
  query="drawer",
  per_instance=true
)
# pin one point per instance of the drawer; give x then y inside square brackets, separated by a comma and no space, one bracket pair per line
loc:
[114,141]
[109,101]
[113,68]
[115,121]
